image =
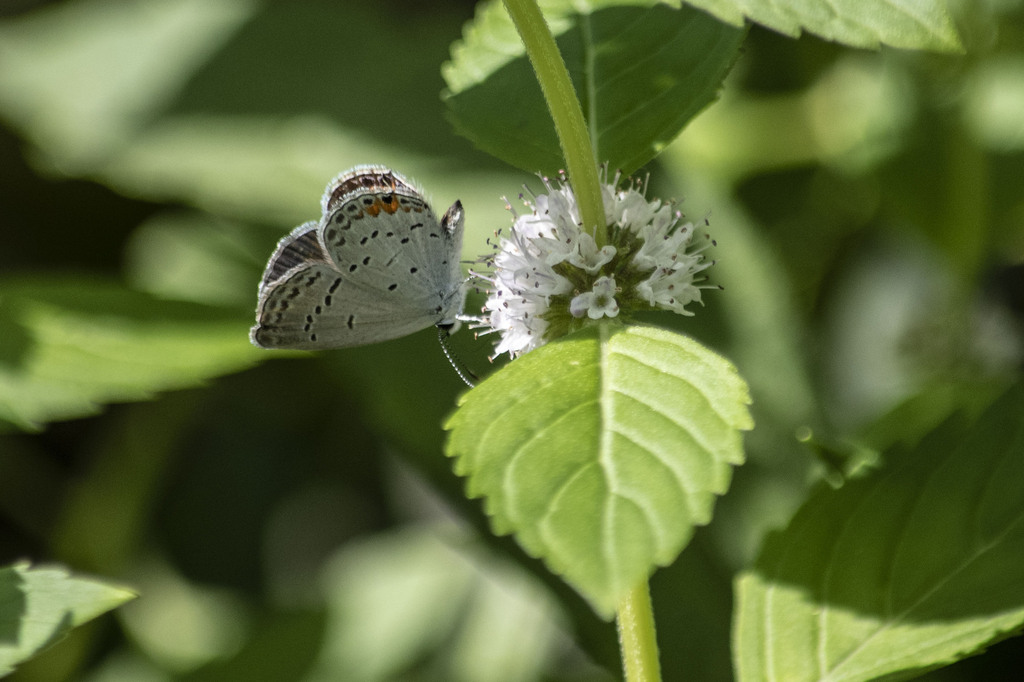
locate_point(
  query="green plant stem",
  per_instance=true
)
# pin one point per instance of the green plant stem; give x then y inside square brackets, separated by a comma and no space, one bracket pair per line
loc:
[565,110]
[635,621]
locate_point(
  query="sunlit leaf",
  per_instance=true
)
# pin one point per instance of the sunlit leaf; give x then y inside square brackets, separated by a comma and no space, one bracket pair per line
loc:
[39,606]
[911,24]
[72,344]
[601,452]
[908,569]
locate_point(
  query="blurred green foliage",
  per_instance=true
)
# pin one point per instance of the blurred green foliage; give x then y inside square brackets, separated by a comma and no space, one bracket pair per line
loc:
[298,520]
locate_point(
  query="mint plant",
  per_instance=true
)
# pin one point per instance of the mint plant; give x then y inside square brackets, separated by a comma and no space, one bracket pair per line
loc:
[743,310]
[597,454]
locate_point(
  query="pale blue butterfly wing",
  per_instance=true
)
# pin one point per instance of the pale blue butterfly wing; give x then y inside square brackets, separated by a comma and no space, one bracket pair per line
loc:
[378,265]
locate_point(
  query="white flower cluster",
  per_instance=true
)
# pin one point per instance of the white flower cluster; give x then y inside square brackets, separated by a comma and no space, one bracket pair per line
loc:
[548,277]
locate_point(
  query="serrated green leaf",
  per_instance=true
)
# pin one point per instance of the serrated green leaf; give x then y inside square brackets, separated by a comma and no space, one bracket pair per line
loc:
[71,344]
[910,24]
[602,451]
[38,606]
[641,73]
[911,568]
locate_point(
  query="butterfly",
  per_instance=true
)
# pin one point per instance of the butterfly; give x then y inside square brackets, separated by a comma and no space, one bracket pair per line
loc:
[378,265]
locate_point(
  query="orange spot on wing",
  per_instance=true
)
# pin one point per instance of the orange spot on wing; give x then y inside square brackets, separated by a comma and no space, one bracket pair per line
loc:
[391,206]
[377,206]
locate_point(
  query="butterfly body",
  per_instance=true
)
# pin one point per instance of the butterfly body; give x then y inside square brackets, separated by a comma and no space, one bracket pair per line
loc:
[378,265]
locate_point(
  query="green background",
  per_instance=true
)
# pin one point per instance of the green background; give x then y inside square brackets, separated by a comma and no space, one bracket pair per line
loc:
[292,516]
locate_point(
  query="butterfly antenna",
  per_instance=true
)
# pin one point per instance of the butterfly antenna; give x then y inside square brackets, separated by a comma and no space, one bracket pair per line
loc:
[468,377]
